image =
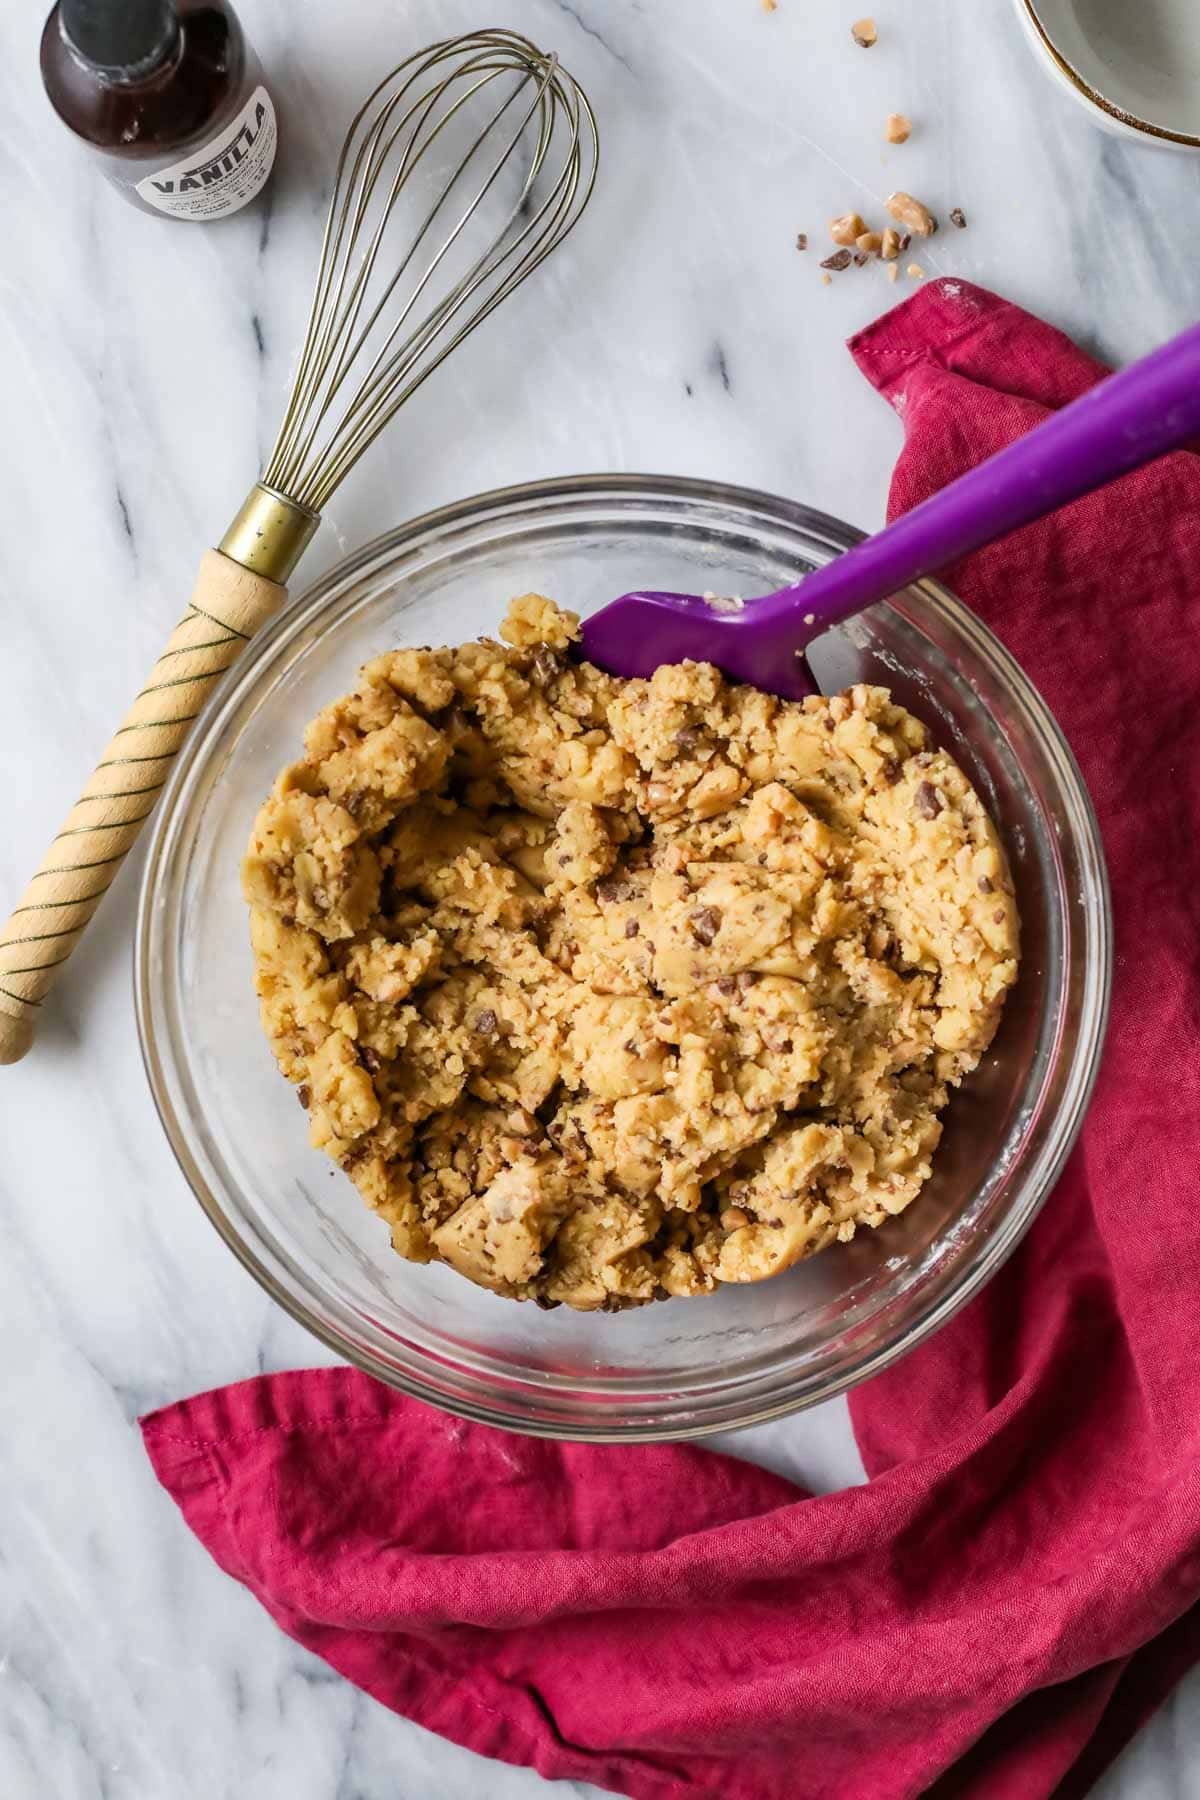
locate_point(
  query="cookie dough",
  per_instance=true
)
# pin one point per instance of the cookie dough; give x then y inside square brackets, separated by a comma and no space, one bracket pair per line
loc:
[604,991]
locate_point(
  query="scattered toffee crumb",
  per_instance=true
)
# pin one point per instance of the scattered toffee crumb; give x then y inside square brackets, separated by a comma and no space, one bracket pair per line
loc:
[958,217]
[846,229]
[840,259]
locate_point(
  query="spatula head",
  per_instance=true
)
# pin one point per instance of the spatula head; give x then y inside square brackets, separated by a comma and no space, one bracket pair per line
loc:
[640,632]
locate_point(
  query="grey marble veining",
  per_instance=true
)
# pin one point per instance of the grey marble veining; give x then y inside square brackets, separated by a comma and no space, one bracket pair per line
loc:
[142,369]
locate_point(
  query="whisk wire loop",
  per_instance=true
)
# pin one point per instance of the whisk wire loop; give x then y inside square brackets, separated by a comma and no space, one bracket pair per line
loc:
[378,326]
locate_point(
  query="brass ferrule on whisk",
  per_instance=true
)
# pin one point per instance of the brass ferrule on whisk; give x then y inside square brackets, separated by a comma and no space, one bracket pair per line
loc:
[269,534]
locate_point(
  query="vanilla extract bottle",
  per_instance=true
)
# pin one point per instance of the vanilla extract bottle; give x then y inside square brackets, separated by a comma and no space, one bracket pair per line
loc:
[169,98]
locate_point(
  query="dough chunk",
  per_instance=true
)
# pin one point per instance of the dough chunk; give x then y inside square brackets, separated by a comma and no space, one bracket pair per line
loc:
[607,991]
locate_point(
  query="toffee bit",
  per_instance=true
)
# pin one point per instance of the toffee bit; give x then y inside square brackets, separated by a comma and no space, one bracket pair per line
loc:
[898,129]
[546,664]
[485,1022]
[727,985]
[958,217]
[802,240]
[631,928]
[690,738]
[910,213]
[607,892]
[928,801]
[864,33]
[839,260]
[705,924]
[891,770]
[847,228]
[304,1095]
[889,244]
[916,271]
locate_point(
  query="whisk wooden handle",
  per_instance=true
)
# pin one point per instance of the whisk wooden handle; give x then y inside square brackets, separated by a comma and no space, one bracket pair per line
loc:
[226,609]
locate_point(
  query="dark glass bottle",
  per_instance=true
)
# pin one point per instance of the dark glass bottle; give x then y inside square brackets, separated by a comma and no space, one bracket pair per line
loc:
[168,96]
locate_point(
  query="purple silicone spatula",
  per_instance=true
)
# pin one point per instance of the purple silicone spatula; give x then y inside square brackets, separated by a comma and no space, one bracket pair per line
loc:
[1126,420]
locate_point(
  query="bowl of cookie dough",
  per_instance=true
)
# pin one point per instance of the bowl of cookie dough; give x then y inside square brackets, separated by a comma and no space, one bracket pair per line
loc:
[704,1313]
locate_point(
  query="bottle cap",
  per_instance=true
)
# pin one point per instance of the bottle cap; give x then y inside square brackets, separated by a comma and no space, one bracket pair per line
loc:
[119,34]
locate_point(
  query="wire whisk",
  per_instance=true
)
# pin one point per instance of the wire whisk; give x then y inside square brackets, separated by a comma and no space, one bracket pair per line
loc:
[501,146]
[382,322]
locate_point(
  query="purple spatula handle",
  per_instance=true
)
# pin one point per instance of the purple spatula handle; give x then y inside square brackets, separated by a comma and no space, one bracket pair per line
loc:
[1127,420]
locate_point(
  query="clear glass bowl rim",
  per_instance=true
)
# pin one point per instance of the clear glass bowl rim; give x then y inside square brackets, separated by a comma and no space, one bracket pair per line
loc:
[419,1381]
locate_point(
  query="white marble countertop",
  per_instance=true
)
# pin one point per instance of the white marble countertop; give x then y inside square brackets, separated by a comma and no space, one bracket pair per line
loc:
[144,367]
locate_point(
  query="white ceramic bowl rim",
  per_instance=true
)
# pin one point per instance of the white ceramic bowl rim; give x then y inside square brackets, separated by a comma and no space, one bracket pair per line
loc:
[1100,91]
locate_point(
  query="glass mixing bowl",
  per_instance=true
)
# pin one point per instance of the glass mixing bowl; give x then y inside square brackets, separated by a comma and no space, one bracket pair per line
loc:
[680,1367]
